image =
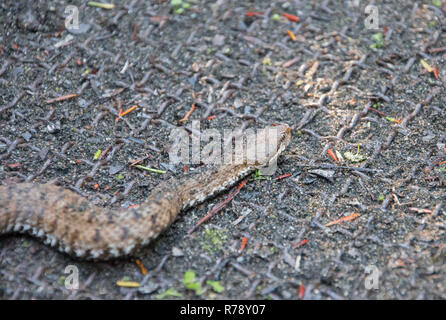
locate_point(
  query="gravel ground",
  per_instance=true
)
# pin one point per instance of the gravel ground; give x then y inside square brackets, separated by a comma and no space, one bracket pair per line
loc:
[317,229]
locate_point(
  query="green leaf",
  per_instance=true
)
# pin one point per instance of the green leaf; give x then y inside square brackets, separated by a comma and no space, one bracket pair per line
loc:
[266,61]
[190,283]
[176,3]
[150,169]
[216,286]
[377,37]
[189,276]
[97,154]
[195,286]
[354,157]
[275,17]
[171,292]
[257,175]
[436,3]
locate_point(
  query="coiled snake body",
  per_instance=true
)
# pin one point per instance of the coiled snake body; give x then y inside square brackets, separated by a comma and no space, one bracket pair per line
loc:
[65,220]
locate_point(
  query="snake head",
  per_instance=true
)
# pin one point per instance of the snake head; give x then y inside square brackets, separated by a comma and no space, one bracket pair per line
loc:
[264,147]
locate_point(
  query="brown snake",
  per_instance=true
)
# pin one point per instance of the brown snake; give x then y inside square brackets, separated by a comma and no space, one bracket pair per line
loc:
[65,220]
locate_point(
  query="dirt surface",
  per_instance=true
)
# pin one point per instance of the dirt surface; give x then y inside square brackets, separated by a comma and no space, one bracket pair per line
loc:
[375,102]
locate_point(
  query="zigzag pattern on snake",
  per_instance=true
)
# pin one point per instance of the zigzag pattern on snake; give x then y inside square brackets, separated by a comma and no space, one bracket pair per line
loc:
[63,219]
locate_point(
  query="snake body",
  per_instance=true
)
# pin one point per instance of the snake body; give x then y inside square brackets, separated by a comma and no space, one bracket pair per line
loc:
[72,224]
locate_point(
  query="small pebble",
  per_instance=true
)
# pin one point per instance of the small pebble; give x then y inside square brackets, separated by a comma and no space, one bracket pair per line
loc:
[177,252]
[53,127]
[218,40]
[327,174]
[149,288]
[115,169]
[27,136]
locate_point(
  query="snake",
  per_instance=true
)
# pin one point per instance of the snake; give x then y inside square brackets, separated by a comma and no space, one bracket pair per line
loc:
[66,221]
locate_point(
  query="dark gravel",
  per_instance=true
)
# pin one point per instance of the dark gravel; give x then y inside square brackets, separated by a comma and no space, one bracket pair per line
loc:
[380,104]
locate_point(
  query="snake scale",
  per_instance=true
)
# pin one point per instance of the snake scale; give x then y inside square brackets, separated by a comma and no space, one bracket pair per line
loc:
[69,222]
